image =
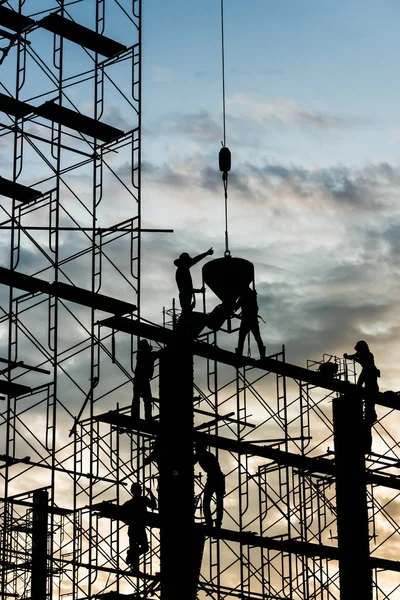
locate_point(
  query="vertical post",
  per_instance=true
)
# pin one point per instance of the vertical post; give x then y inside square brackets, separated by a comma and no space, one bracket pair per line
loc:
[39,545]
[176,488]
[351,499]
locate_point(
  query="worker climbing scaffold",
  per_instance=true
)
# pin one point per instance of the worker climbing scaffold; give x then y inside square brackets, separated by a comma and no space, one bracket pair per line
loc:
[133,513]
[215,484]
[141,383]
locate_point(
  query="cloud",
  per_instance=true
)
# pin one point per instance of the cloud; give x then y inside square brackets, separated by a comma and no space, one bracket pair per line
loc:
[200,126]
[284,113]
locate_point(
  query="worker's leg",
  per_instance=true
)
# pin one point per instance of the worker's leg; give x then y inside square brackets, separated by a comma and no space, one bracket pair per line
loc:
[361,379]
[371,392]
[147,399]
[220,493]
[142,542]
[132,556]
[243,331]
[207,495]
[135,411]
[186,299]
[255,330]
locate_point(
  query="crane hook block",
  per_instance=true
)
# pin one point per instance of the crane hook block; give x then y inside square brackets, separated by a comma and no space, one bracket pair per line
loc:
[224,159]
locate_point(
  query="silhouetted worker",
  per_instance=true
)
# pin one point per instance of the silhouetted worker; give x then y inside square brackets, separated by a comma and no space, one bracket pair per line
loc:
[369,379]
[145,359]
[215,484]
[133,513]
[184,279]
[249,320]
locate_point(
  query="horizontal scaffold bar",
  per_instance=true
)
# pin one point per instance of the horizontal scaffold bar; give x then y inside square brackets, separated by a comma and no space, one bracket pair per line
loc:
[81,35]
[62,115]
[13,389]
[298,461]
[14,20]
[248,538]
[272,365]
[78,122]
[65,291]
[22,193]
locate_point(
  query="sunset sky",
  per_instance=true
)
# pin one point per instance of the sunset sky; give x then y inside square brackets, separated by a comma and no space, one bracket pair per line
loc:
[313,124]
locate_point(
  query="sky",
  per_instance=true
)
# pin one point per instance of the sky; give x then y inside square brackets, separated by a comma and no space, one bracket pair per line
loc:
[313,128]
[313,125]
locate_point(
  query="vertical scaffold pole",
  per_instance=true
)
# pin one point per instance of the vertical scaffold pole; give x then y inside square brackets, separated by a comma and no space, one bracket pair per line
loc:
[351,499]
[176,488]
[39,544]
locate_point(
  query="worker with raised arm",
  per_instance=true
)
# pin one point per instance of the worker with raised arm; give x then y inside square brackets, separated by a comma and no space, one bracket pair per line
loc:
[145,359]
[184,279]
[215,484]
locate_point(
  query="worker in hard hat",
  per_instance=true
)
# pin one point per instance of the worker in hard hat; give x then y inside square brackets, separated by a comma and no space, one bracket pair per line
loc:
[369,379]
[144,370]
[184,279]
[249,320]
[215,484]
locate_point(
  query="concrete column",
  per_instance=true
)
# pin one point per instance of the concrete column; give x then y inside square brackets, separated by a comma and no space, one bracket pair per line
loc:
[351,499]
[176,489]
[39,545]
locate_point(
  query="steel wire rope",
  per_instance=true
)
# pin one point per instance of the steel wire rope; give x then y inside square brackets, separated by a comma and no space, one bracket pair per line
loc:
[224,155]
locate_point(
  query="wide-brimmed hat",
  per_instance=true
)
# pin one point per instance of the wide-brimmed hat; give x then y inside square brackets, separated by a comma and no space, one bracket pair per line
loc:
[182,260]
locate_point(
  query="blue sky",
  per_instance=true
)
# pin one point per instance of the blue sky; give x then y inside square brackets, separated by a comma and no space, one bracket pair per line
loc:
[335,58]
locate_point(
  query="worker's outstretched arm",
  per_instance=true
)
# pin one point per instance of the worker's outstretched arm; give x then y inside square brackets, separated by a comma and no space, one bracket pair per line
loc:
[350,356]
[199,257]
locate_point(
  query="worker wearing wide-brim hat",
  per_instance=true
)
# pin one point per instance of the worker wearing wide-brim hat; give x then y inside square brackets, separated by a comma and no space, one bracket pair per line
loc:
[184,279]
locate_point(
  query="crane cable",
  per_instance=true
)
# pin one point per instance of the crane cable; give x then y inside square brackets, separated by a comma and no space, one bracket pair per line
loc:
[223,73]
[224,153]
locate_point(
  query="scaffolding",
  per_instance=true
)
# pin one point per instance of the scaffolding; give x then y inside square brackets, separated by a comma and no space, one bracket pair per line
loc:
[290,449]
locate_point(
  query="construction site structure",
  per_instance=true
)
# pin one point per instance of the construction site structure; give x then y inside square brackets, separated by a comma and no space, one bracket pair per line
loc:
[307,512]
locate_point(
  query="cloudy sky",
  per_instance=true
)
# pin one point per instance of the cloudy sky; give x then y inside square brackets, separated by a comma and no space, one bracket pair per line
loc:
[313,125]
[314,130]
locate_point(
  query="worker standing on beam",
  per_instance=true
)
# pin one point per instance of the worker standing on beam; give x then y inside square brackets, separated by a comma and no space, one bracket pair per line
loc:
[184,280]
[141,383]
[215,484]
[249,320]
